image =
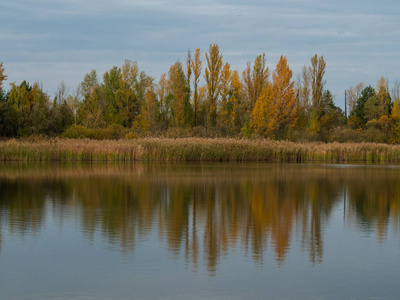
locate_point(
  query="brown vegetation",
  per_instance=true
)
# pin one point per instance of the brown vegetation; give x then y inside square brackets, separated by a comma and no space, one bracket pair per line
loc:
[194,149]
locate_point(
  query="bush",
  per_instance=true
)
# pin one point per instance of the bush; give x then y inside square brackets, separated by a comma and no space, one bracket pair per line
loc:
[113,132]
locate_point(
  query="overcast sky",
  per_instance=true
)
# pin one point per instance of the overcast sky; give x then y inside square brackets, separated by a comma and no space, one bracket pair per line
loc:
[54,40]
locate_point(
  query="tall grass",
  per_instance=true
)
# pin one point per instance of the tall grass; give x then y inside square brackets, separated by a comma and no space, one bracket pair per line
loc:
[195,149]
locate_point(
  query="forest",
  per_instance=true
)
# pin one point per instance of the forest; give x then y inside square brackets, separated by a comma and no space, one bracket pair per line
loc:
[203,98]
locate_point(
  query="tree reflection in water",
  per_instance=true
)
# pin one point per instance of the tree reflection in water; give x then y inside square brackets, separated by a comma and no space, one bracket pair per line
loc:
[201,211]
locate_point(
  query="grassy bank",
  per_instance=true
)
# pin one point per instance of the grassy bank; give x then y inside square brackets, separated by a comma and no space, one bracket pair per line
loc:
[195,149]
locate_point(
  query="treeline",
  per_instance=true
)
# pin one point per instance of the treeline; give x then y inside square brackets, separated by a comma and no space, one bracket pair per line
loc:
[128,103]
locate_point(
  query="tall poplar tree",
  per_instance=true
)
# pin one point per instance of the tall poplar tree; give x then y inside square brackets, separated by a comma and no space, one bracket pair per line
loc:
[2,78]
[196,69]
[285,99]
[317,81]
[213,78]
[178,104]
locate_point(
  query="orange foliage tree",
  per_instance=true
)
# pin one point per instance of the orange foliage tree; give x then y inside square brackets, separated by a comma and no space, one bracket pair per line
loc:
[275,110]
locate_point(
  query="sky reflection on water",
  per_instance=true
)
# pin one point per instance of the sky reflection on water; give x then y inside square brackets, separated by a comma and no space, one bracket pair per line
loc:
[198,231]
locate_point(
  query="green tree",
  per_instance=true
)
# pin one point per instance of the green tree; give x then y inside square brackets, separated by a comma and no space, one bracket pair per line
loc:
[332,116]
[61,117]
[110,87]
[40,112]
[20,98]
[357,115]
[90,113]
[132,89]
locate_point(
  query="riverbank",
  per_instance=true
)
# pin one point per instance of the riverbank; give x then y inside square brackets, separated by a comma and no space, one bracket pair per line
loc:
[195,149]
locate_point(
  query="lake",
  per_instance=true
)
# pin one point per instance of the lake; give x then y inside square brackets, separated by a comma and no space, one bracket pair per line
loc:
[199,231]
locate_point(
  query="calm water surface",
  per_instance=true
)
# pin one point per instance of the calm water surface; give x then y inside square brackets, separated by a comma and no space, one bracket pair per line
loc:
[199,231]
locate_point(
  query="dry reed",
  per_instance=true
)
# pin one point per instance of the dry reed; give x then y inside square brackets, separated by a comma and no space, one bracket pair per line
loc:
[195,149]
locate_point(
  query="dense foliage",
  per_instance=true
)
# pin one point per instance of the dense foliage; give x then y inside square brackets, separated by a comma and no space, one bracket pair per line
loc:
[127,103]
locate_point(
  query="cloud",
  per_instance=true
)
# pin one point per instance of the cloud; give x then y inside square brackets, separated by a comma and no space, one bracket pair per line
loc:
[56,39]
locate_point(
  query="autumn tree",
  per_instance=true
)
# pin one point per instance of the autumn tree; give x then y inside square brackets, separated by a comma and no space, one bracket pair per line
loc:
[260,76]
[74,102]
[225,90]
[285,99]
[237,114]
[127,96]
[61,93]
[379,104]
[255,79]
[317,81]
[61,115]
[3,77]
[212,78]
[178,99]
[90,113]
[331,118]
[21,100]
[40,111]
[232,111]
[149,112]
[264,119]
[275,110]
[395,116]
[161,88]
[303,86]
[396,90]
[196,69]
[383,95]
[189,69]
[352,94]
[109,89]
[357,117]
[303,96]
[313,87]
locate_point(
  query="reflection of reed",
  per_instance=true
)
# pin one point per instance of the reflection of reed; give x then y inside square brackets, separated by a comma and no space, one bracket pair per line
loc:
[201,209]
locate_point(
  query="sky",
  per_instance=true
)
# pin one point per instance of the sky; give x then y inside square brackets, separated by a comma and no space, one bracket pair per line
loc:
[50,41]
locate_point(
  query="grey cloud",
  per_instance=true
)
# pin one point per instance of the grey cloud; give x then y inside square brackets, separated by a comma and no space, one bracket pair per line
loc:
[51,40]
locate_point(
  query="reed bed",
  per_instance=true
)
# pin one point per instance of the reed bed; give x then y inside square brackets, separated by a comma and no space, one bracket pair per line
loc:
[195,149]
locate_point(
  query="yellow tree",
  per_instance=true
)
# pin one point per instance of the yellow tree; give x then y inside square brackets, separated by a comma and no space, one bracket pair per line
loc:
[285,99]
[275,109]
[196,69]
[236,114]
[264,117]
[225,88]
[213,77]
[189,68]
[395,116]
[147,119]
[382,93]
